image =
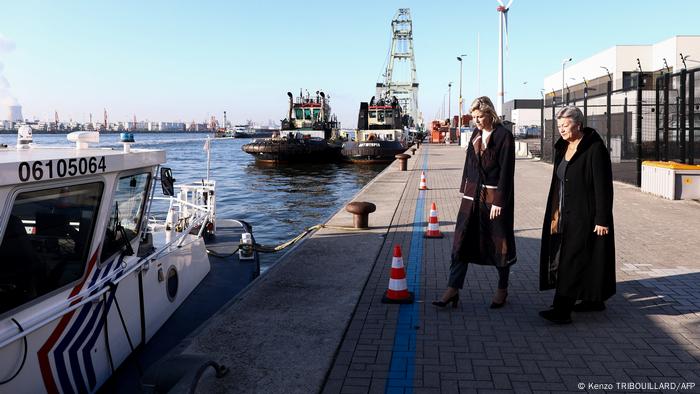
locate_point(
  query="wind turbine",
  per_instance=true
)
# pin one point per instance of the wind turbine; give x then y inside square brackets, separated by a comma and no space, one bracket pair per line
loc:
[503,30]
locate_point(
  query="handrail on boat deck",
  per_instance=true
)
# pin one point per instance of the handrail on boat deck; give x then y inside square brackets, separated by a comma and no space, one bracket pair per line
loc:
[102,285]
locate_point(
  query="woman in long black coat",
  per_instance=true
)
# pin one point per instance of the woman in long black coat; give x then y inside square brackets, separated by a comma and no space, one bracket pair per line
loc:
[484,228]
[578,246]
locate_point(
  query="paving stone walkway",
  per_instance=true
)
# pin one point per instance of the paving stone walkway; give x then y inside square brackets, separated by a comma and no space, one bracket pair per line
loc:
[648,339]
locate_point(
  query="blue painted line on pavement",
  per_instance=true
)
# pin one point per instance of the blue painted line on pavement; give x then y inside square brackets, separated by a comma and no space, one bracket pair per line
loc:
[402,368]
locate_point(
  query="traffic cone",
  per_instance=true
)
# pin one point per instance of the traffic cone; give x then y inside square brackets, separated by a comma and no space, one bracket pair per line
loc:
[433,230]
[423,184]
[398,289]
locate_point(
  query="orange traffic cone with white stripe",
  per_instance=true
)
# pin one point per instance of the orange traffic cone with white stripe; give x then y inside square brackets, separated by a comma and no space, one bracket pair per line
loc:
[423,184]
[433,230]
[398,288]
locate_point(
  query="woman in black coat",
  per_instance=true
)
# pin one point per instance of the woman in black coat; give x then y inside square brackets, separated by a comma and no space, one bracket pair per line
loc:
[484,228]
[578,246]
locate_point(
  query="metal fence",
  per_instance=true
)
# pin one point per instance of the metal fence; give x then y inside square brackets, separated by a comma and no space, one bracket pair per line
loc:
[653,117]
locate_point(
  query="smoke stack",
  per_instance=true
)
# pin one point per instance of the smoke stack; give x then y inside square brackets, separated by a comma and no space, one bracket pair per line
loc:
[9,106]
[291,104]
[323,106]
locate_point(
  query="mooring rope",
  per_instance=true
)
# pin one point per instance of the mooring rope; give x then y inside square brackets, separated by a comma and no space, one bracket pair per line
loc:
[274,249]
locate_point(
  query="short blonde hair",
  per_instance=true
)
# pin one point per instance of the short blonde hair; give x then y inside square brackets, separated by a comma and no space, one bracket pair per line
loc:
[485,105]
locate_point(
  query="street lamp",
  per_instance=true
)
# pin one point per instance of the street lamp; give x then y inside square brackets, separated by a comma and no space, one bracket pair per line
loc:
[563,64]
[449,101]
[459,121]
[607,72]
[683,58]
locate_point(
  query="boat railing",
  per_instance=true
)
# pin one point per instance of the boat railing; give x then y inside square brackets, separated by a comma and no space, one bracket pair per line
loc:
[197,204]
[192,202]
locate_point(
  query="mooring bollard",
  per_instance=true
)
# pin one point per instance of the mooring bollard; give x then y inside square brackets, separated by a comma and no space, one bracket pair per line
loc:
[403,161]
[413,151]
[360,211]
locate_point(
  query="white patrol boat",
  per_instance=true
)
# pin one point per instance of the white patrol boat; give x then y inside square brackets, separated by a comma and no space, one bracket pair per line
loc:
[86,276]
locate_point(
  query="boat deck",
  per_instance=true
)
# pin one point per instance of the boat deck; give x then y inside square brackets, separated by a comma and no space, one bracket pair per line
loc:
[228,276]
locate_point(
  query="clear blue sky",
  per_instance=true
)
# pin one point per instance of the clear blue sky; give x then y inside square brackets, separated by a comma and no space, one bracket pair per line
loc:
[166,60]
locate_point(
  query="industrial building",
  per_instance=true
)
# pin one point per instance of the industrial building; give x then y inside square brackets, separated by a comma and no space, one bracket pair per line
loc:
[640,98]
[525,116]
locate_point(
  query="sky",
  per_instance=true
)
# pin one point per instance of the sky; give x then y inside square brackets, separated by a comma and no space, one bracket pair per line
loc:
[185,61]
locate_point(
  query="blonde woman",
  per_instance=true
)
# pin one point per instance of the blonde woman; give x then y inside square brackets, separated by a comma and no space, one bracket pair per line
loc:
[484,229]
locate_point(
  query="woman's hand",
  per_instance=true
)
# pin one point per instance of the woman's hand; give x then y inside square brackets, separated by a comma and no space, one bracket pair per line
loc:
[495,212]
[600,230]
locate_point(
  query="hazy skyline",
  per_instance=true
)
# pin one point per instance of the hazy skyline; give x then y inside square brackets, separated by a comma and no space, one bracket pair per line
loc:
[182,62]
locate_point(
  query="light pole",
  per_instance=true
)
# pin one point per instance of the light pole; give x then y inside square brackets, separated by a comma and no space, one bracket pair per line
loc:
[459,121]
[563,64]
[449,102]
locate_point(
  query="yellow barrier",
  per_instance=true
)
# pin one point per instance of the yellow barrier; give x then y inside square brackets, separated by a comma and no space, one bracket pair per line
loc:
[671,164]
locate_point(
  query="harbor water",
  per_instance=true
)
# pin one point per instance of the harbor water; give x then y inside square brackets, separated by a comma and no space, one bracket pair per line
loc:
[279,201]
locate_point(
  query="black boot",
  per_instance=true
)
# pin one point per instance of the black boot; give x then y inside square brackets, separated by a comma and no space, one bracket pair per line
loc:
[556,316]
[561,311]
[589,306]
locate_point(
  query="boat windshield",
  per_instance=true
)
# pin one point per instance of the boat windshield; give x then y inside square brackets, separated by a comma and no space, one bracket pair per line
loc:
[126,213]
[46,240]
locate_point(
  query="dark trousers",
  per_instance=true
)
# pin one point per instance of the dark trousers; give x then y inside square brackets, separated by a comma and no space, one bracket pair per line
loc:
[458,271]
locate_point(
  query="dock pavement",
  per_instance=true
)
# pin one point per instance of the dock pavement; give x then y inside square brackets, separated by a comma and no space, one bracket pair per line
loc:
[315,321]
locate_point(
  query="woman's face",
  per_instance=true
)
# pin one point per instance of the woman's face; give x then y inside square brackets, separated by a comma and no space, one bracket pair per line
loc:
[483,121]
[568,129]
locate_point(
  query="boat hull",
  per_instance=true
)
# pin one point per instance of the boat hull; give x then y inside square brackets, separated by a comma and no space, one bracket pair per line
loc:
[293,150]
[372,151]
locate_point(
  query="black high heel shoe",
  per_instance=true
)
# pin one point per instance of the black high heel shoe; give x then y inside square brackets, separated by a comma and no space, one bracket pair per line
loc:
[497,305]
[454,300]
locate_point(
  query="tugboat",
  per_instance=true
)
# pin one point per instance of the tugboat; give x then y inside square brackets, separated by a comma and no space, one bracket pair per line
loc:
[308,134]
[87,275]
[380,133]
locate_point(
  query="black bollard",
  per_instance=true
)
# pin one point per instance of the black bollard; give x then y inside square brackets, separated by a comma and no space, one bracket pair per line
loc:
[403,161]
[360,211]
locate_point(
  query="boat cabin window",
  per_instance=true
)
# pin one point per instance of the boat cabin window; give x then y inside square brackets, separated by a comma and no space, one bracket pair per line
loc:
[317,114]
[126,213]
[372,114]
[46,241]
[299,113]
[307,113]
[380,116]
